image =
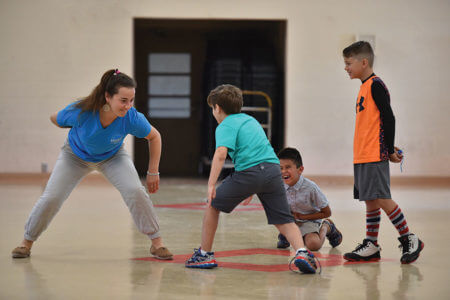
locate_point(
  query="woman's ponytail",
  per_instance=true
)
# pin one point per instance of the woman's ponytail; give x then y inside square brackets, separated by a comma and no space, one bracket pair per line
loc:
[110,83]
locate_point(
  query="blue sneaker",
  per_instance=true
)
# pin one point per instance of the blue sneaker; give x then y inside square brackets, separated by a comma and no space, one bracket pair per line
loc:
[200,261]
[304,261]
[334,236]
[282,242]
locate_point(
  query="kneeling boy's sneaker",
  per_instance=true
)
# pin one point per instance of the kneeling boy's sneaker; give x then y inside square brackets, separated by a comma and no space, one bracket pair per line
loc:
[200,261]
[367,251]
[304,261]
[334,236]
[411,246]
[282,242]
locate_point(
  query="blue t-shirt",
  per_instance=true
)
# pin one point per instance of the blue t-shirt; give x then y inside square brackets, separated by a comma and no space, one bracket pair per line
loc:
[90,141]
[246,141]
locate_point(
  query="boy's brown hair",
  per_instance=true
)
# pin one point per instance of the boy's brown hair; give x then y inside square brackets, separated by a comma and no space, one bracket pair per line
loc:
[228,97]
[360,49]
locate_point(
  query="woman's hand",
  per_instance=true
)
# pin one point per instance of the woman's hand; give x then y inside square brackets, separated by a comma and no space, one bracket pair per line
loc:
[152,183]
[154,151]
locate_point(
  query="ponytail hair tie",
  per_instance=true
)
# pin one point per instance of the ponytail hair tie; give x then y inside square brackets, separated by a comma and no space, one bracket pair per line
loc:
[116,72]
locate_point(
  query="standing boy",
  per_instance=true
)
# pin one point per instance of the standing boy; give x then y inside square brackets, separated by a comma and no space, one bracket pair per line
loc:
[373,148]
[308,204]
[257,172]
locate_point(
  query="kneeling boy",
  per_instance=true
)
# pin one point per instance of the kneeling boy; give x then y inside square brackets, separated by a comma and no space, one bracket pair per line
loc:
[308,204]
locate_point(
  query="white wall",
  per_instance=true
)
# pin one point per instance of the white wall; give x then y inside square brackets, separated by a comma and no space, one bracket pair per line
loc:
[52,52]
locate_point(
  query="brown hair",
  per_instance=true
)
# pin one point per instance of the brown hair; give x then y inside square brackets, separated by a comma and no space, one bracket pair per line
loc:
[360,49]
[228,97]
[110,83]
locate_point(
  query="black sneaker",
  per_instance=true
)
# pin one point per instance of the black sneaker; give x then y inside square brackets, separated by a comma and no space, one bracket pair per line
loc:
[367,251]
[334,236]
[282,242]
[411,246]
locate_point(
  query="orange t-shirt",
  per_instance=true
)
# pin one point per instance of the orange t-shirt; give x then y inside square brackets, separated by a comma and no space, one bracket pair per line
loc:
[368,145]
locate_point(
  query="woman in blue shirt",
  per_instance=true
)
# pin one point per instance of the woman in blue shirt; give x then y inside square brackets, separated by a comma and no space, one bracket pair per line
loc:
[98,125]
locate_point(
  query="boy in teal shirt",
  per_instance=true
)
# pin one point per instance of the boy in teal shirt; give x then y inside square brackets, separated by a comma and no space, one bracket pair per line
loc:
[257,172]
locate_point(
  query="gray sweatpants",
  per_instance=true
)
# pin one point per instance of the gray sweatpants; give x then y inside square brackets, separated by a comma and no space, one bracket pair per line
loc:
[68,172]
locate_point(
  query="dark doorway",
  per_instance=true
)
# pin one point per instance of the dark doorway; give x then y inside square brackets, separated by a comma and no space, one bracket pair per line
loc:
[177,62]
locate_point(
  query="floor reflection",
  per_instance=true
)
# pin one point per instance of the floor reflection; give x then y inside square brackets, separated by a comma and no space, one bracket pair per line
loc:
[409,277]
[33,280]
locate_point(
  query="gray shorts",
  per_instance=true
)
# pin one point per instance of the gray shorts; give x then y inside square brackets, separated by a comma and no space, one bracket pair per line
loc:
[265,181]
[307,227]
[372,181]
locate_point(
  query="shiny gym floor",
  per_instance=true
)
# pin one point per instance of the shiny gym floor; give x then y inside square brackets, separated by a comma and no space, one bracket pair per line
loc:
[92,249]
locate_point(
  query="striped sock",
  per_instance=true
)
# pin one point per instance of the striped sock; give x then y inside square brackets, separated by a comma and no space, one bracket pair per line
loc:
[373,219]
[398,219]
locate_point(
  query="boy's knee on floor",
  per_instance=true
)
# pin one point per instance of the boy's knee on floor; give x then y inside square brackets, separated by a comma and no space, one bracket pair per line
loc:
[313,245]
[312,242]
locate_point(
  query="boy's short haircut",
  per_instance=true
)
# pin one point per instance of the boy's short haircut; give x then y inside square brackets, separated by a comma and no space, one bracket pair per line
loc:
[292,154]
[228,97]
[360,49]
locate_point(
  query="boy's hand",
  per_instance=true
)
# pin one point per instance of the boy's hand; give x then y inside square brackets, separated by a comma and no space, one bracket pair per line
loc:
[217,163]
[299,216]
[395,157]
[247,200]
[211,194]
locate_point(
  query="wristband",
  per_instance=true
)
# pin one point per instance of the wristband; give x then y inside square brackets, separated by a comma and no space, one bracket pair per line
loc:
[152,174]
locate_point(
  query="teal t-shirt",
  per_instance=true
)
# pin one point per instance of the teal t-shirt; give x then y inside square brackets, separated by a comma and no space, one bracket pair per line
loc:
[246,141]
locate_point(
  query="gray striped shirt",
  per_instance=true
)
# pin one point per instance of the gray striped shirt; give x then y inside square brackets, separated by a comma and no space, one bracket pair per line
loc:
[305,197]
